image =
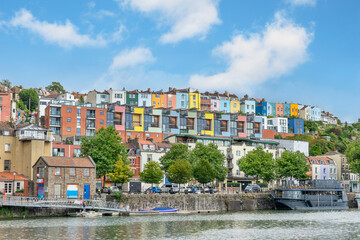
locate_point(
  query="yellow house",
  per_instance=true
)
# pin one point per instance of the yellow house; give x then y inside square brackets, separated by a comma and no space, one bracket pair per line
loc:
[195,100]
[157,99]
[138,119]
[209,129]
[22,148]
[294,109]
[234,105]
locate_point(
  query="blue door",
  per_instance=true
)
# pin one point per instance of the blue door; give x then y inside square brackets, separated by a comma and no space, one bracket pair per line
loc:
[40,190]
[86,191]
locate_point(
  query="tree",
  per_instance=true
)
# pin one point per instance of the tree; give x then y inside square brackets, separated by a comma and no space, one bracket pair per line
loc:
[353,156]
[55,86]
[105,149]
[177,151]
[292,164]
[180,172]
[213,155]
[152,173]
[29,97]
[81,100]
[203,171]
[6,83]
[259,164]
[122,172]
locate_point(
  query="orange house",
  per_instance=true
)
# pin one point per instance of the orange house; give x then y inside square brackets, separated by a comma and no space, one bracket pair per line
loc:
[157,99]
[279,109]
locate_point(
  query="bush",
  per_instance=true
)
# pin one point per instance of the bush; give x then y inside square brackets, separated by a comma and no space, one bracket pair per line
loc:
[263,185]
[234,184]
[20,191]
[118,196]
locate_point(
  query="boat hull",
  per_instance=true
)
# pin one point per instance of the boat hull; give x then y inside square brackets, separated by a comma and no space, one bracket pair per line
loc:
[293,204]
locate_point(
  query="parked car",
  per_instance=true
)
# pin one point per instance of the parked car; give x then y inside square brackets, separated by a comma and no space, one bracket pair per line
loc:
[174,190]
[114,189]
[252,188]
[153,190]
[167,187]
[103,190]
[192,189]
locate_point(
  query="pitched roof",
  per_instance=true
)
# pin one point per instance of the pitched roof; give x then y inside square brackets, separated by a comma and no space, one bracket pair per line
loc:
[5,127]
[163,145]
[9,176]
[68,162]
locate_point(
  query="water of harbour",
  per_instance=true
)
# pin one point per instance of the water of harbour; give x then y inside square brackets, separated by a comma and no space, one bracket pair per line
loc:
[239,225]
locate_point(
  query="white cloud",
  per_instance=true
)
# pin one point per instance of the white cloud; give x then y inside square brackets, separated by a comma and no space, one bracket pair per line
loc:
[187,18]
[256,58]
[66,35]
[105,13]
[301,2]
[130,58]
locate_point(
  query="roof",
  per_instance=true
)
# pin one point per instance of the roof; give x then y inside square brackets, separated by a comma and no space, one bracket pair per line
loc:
[9,176]
[163,145]
[320,160]
[68,162]
[5,127]
[145,142]
[32,127]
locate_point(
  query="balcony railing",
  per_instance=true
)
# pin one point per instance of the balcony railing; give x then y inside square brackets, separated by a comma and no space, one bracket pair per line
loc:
[55,123]
[57,113]
[44,137]
[90,115]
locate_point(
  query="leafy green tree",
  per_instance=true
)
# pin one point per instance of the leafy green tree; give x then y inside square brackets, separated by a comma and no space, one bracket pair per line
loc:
[6,83]
[213,155]
[180,172]
[204,171]
[315,150]
[259,164]
[292,164]
[122,172]
[105,149]
[29,97]
[81,100]
[55,86]
[353,156]
[152,173]
[177,151]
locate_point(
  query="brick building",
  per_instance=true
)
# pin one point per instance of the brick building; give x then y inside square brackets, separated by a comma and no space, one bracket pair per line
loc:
[65,177]
[71,120]
[12,183]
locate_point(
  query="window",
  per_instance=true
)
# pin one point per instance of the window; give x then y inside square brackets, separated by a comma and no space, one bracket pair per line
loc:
[154,103]
[194,104]
[86,172]
[225,104]
[238,153]
[101,112]
[101,121]
[237,172]
[7,147]
[103,96]
[17,186]
[57,171]
[7,165]
[170,103]
[40,172]
[72,172]
[68,129]
[78,112]
[8,187]
[1,99]
[147,134]
[78,133]
[215,104]
[234,105]
[194,97]
[118,95]
[324,170]
[6,133]
[149,157]
[77,152]
[78,122]
[68,110]
[68,119]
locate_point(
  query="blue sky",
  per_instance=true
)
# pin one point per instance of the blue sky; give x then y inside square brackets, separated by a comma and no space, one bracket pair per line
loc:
[302,51]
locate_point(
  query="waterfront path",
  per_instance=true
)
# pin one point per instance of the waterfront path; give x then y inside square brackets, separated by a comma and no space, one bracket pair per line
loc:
[32,202]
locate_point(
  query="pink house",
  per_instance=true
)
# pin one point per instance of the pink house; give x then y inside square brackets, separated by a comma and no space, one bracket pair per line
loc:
[170,99]
[5,106]
[119,118]
[242,126]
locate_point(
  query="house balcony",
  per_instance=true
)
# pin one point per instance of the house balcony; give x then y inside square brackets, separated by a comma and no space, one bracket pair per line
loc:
[230,165]
[43,137]
[55,123]
[55,113]
[90,126]
[90,116]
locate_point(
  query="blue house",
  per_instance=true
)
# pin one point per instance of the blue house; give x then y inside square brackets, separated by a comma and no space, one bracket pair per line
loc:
[261,109]
[225,105]
[182,99]
[296,126]
[287,111]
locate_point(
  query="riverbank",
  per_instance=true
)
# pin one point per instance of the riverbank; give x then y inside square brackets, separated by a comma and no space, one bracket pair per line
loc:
[201,203]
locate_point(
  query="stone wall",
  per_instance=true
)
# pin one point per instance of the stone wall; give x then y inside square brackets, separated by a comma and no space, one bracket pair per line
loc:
[200,202]
[9,212]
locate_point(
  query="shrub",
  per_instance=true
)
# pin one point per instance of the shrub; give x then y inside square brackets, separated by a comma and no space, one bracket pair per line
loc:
[118,196]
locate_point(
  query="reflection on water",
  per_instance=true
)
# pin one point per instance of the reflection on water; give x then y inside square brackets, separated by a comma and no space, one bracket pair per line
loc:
[239,225]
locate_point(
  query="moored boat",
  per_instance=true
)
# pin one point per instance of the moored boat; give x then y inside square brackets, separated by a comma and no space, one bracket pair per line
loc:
[160,209]
[315,195]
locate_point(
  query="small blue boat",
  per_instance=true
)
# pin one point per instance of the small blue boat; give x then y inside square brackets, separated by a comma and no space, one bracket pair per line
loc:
[160,209]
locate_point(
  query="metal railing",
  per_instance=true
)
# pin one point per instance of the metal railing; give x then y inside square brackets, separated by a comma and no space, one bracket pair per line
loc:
[96,204]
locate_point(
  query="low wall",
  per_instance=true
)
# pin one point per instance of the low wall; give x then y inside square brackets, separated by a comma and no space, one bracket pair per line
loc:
[200,201]
[9,212]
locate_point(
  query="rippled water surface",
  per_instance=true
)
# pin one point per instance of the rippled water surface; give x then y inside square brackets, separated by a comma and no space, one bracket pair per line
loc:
[239,225]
